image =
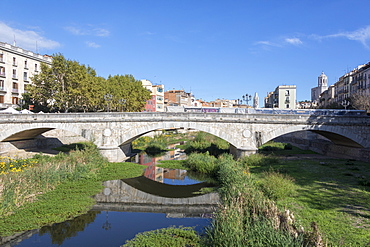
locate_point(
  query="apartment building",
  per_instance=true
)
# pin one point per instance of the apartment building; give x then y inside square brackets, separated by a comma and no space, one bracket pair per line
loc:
[354,82]
[17,66]
[156,103]
[284,97]
[180,98]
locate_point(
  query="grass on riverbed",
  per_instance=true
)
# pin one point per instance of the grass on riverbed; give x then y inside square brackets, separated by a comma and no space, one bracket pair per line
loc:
[65,190]
[331,192]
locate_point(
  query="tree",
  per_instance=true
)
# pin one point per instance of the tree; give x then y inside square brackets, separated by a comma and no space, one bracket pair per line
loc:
[67,85]
[360,101]
[127,93]
[62,86]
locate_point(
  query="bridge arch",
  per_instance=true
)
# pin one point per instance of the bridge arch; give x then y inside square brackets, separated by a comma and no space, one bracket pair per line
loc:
[338,136]
[132,135]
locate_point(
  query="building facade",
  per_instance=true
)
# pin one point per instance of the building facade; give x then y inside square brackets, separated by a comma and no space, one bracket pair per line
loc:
[17,66]
[180,98]
[322,85]
[284,97]
[156,103]
[354,82]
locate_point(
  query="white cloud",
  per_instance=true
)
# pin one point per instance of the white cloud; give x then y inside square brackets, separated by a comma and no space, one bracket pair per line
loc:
[89,30]
[267,43]
[92,44]
[362,35]
[26,39]
[294,41]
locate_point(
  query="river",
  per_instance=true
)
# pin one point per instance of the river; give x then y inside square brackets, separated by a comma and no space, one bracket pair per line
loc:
[159,199]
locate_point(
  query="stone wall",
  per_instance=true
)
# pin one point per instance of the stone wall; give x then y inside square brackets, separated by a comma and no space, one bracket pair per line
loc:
[307,140]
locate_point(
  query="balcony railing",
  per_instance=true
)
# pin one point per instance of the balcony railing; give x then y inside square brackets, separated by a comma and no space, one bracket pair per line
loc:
[2,89]
[15,90]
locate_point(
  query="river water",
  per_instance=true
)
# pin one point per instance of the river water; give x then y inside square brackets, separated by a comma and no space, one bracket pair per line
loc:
[118,217]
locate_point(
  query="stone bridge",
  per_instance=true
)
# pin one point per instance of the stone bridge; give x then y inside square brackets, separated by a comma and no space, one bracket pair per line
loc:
[112,132]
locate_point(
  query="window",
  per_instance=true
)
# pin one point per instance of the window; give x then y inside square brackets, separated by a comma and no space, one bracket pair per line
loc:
[25,64]
[15,87]
[287,106]
[2,84]
[25,78]
[1,58]
[2,71]
[14,74]
[287,93]
[36,67]
[14,61]
[14,100]
[1,98]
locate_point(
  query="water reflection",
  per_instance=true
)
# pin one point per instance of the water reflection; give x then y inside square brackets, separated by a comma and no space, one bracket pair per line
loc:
[129,206]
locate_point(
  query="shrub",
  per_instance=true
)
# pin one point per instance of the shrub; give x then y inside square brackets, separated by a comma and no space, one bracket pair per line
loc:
[171,236]
[288,146]
[45,174]
[277,185]
[202,162]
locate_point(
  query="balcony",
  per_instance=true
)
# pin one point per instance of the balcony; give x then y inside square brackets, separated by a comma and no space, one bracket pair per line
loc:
[3,89]
[15,90]
[2,74]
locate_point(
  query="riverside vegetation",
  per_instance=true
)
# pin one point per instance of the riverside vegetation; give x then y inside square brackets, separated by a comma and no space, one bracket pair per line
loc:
[333,194]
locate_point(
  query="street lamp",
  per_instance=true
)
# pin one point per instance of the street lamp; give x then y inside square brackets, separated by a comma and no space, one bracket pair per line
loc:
[21,103]
[247,98]
[108,98]
[345,104]
[122,102]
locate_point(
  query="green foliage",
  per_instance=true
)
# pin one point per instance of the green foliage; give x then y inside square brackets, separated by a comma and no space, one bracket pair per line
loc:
[202,162]
[277,186]
[247,216]
[56,189]
[174,237]
[325,193]
[279,148]
[204,142]
[67,86]
[141,142]
[126,88]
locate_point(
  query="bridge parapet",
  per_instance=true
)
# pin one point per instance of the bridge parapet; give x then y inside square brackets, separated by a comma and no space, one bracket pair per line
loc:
[112,132]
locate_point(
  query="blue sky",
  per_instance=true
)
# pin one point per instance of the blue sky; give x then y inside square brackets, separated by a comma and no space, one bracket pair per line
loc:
[213,48]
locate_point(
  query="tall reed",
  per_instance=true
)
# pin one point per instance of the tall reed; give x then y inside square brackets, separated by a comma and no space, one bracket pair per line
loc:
[24,186]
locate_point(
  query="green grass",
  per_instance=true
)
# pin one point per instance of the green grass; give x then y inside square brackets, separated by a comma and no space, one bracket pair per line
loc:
[172,164]
[330,193]
[278,148]
[171,237]
[66,198]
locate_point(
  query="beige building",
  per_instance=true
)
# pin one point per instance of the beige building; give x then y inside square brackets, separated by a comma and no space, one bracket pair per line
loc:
[156,103]
[322,85]
[284,97]
[353,82]
[17,66]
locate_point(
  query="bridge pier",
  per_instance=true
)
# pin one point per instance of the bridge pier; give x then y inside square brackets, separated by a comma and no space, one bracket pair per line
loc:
[241,152]
[113,154]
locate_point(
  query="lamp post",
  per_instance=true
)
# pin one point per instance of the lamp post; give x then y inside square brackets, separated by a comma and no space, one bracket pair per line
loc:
[108,98]
[345,104]
[247,98]
[21,103]
[122,102]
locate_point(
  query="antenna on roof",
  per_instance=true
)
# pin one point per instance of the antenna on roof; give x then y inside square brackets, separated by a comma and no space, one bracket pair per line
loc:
[14,40]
